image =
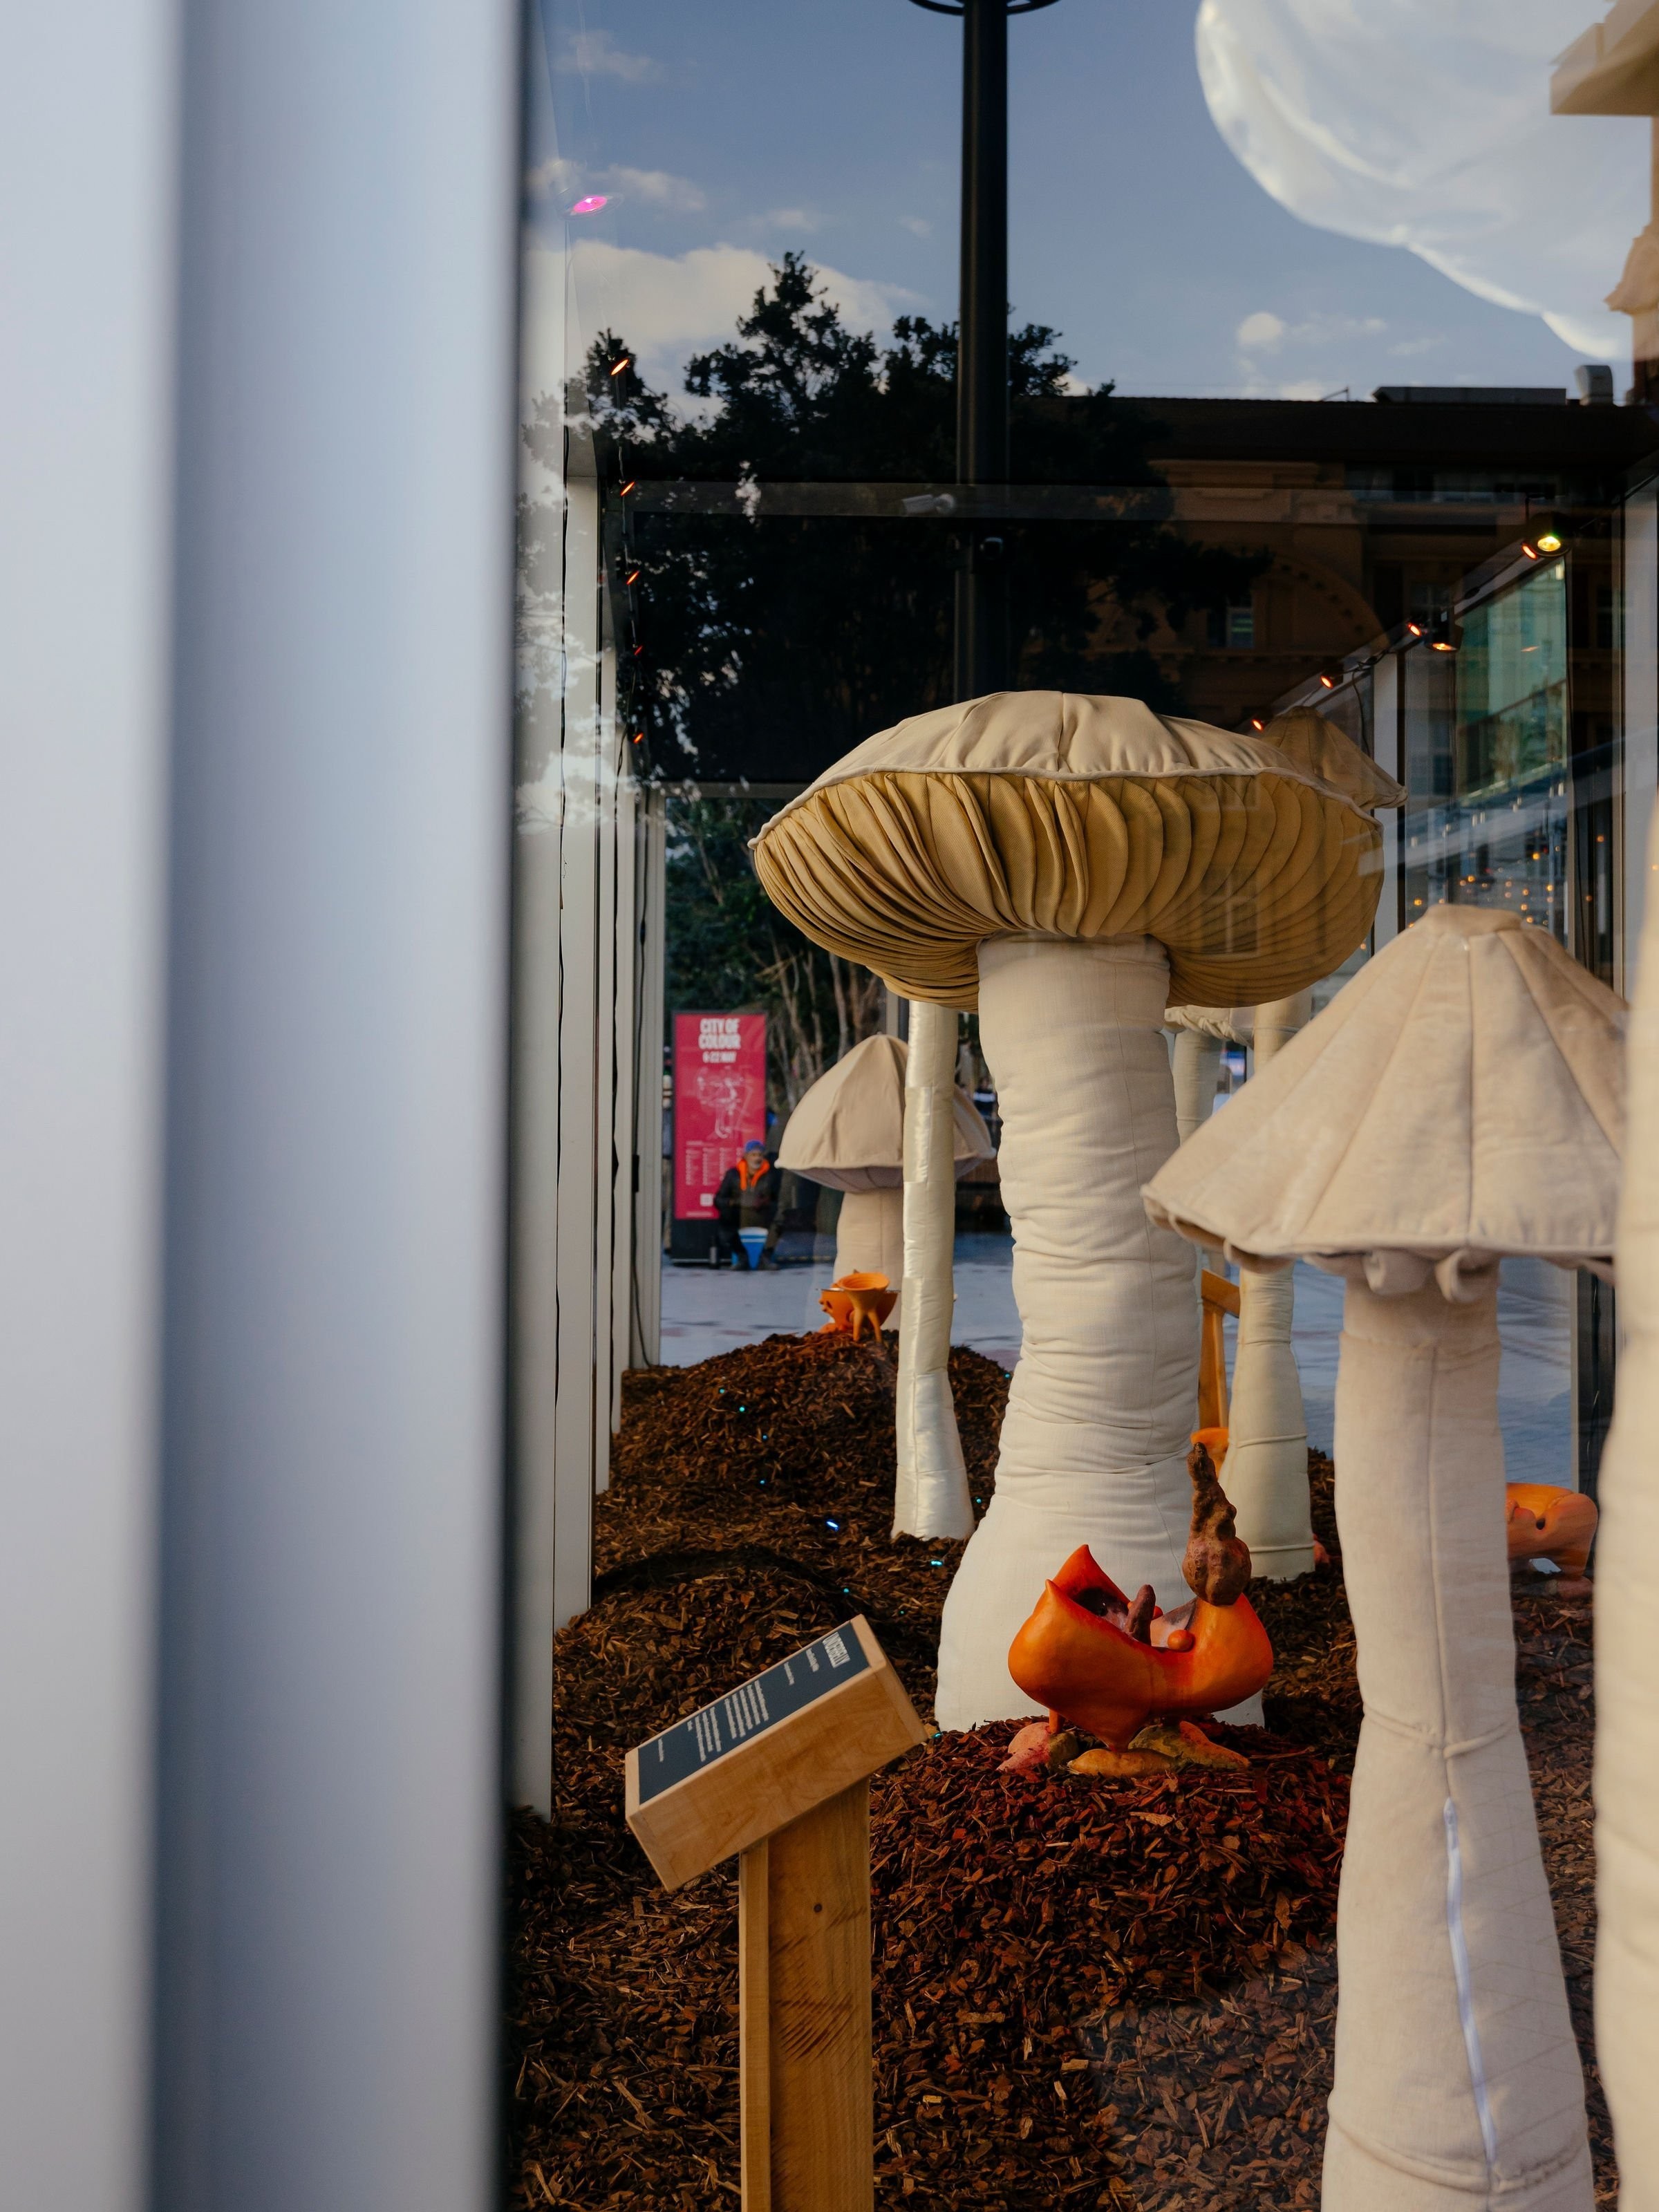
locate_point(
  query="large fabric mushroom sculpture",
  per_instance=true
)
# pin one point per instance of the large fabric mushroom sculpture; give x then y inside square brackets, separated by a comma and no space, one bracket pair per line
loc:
[889,1128]
[1070,864]
[1460,1099]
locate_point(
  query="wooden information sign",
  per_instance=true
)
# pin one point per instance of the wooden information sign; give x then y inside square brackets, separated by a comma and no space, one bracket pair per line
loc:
[779,1772]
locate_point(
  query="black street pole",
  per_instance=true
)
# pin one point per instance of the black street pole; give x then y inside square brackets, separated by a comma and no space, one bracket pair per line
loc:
[983,658]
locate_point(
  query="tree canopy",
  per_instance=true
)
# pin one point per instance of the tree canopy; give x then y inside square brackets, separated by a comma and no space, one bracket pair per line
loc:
[759,650]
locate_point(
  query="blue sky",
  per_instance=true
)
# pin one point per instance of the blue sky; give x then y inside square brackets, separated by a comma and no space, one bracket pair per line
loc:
[727,132]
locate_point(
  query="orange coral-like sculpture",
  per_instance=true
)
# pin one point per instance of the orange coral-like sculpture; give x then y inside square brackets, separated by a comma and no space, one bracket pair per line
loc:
[1096,1659]
[855,1303]
[1547,1522]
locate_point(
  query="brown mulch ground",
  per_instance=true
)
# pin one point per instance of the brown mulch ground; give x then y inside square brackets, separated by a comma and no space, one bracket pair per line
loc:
[1118,1995]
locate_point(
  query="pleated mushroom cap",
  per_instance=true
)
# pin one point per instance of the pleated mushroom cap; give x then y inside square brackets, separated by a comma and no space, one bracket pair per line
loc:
[1054,814]
[1317,745]
[847,1132]
[1462,1099]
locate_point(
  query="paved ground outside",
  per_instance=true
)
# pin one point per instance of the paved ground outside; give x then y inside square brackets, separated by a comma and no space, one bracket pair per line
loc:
[707,1310]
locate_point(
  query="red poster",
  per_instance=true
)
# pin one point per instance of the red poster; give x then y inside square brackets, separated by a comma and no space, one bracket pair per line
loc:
[719,1103]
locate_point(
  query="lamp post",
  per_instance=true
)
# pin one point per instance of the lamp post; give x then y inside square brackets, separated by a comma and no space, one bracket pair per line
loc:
[982,648]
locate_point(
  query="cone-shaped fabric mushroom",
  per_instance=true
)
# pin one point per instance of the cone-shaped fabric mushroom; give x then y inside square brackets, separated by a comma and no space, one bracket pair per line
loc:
[1070,864]
[1459,1100]
[847,1133]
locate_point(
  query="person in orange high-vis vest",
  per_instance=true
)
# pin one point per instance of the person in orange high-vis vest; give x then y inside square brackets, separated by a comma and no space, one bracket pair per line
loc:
[747,1199]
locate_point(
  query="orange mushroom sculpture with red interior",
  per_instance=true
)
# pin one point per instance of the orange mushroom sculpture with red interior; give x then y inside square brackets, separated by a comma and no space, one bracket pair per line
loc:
[1111,1665]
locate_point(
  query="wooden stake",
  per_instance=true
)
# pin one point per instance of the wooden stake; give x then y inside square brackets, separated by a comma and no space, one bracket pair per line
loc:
[777,1772]
[807,2061]
[754,2026]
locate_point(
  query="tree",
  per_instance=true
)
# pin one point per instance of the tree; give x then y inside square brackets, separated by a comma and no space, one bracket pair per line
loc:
[764,650]
[729,947]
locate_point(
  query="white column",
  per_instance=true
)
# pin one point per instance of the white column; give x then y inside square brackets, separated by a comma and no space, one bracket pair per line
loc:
[651,820]
[1626,1665]
[1386,691]
[87,110]
[1457,2080]
[1640,766]
[1267,1470]
[575,1383]
[1196,1069]
[932,1497]
[331,1776]
[1100,1412]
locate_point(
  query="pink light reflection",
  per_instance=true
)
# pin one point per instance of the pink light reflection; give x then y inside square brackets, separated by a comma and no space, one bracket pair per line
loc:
[592,204]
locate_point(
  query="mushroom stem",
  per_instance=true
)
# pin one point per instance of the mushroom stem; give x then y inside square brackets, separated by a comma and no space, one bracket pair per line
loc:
[1095,1440]
[870,1234]
[1267,1426]
[932,1498]
[1457,2078]
[1196,1066]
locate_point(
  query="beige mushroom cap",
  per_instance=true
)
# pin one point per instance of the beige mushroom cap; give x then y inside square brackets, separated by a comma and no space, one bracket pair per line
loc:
[1053,813]
[1317,745]
[1460,1099]
[847,1132]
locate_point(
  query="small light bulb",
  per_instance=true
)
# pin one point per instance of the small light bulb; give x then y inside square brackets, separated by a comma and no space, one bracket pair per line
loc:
[1549,543]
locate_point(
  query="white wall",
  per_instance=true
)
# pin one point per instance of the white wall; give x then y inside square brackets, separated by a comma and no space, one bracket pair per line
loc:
[87,242]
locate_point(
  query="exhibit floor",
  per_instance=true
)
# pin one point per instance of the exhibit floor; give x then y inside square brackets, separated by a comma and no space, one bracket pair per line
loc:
[1112,1995]
[707,1310]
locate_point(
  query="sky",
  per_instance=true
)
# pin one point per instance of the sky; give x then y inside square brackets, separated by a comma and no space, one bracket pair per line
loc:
[1173,258]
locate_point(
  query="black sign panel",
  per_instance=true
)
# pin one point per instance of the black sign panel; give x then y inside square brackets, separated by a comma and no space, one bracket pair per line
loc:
[749,1710]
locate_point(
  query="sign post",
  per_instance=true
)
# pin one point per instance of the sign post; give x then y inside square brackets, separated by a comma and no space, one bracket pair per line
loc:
[779,1773]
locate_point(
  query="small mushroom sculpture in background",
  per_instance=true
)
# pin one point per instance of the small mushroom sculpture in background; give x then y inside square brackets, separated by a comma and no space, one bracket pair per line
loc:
[1267,1463]
[888,1126]
[1068,864]
[1460,1099]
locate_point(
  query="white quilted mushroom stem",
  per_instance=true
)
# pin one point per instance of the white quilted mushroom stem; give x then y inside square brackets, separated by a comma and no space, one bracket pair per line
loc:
[932,1498]
[1197,1070]
[870,1234]
[1457,2083]
[1267,1471]
[1095,1440]
[1626,1657]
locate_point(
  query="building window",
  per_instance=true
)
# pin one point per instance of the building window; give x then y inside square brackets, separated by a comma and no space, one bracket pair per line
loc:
[1233,627]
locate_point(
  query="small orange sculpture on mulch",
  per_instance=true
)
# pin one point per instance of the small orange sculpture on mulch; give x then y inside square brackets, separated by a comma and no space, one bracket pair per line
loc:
[1547,1522]
[1133,1675]
[855,1303]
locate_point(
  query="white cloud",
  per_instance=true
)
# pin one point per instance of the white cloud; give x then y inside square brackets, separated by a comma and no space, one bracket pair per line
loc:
[592,54]
[655,187]
[1426,124]
[553,178]
[668,305]
[802,219]
[1409,349]
[917,225]
[561,181]
[1262,329]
